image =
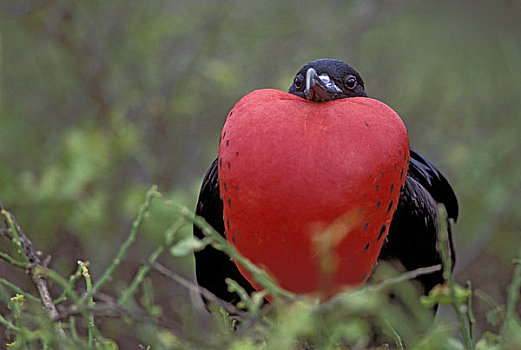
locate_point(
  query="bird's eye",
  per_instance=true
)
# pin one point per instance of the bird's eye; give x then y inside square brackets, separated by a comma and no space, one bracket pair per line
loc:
[299,82]
[350,82]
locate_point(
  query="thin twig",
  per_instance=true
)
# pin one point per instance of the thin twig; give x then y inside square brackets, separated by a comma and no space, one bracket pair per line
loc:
[90,302]
[140,275]
[443,231]
[13,261]
[513,291]
[232,309]
[221,244]
[396,337]
[409,275]
[37,267]
[152,192]
[8,324]
[18,290]
[512,299]
[72,281]
[105,306]
[16,239]
[470,315]
[73,296]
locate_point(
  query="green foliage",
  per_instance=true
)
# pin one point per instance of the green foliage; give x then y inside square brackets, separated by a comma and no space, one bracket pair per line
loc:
[361,319]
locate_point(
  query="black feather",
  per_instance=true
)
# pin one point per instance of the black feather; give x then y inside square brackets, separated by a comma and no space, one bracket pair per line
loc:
[413,234]
[213,266]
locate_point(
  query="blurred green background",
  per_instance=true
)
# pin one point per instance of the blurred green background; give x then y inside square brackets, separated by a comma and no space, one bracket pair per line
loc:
[101,99]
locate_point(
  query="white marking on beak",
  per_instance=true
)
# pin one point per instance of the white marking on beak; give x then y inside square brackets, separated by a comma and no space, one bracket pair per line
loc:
[328,83]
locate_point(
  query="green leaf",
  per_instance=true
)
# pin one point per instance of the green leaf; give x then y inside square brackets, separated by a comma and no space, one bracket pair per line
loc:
[187,245]
[441,294]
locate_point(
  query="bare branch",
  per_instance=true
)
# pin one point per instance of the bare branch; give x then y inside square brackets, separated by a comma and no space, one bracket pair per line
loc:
[409,275]
[37,267]
[230,308]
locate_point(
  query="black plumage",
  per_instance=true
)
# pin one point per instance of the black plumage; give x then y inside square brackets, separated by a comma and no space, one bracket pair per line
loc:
[413,232]
[212,266]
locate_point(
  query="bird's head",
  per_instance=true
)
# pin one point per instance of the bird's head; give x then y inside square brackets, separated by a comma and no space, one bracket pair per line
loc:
[326,80]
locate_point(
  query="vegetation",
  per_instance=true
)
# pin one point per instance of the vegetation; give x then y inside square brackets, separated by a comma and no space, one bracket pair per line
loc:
[99,100]
[361,319]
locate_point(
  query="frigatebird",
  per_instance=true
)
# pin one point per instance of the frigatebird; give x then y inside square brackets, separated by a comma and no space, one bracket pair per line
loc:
[412,235]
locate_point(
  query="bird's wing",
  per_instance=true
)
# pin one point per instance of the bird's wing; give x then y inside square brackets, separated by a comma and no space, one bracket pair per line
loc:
[209,204]
[434,182]
[212,266]
[413,234]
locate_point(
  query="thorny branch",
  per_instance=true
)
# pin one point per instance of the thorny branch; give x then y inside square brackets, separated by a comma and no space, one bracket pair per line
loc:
[37,266]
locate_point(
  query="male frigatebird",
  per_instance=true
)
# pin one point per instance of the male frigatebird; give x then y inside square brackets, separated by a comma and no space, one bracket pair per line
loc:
[410,237]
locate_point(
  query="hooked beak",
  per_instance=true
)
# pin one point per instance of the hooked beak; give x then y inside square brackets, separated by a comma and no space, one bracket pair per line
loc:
[320,88]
